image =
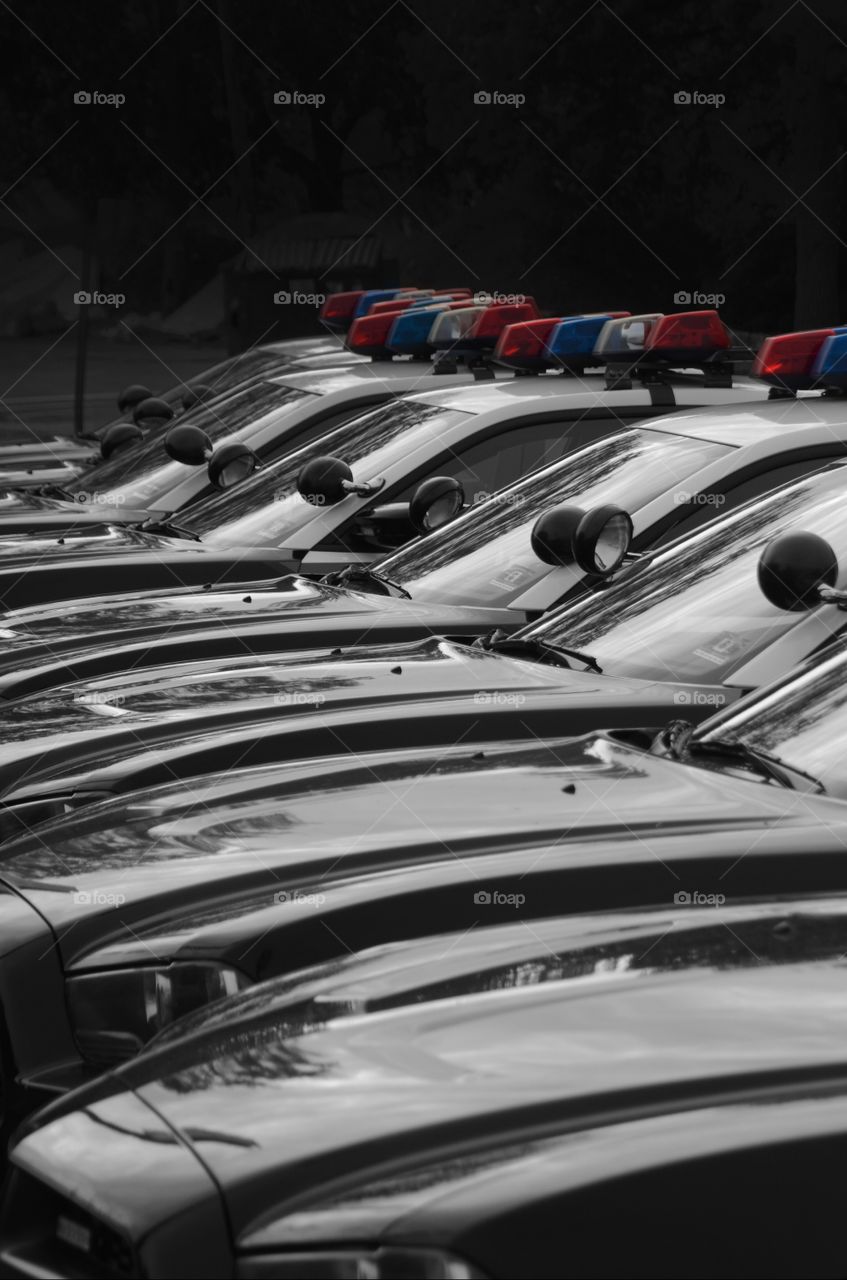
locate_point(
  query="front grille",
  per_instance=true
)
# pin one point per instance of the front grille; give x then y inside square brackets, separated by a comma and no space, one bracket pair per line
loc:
[43,1231]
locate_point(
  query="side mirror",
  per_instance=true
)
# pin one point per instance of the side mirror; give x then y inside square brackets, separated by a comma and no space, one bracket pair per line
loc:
[597,541]
[152,413]
[436,502]
[793,568]
[324,481]
[231,464]
[133,395]
[189,445]
[119,436]
[197,395]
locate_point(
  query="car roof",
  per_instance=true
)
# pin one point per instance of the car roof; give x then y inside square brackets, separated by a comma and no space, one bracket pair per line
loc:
[480,397]
[732,424]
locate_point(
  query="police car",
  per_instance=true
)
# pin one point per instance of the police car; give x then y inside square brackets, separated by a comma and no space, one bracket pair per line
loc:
[720,613]
[33,464]
[337,314]
[445,1108]
[486,569]
[117,920]
[309,509]
[59,459]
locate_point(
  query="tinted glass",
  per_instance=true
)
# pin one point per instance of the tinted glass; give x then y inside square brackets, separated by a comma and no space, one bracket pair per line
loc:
[696,613]
[485,557]
[267,509]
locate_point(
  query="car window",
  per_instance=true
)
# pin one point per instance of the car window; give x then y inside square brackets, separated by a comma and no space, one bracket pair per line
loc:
[696,613]
[801,720]
[484,557]
[698,513]
[267,509]
[499,460]
[136,476]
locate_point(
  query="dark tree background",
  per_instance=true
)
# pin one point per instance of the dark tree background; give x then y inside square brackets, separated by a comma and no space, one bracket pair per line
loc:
[600,189]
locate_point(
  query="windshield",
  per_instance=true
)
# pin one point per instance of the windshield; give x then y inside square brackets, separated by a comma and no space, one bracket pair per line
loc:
[696,613]
[800,720]
[267,510]
[247,364]
[143,475]
[485,557]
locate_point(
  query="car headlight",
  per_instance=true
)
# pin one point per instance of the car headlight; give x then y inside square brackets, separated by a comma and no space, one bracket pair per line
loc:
[357,1264]
[115,1013]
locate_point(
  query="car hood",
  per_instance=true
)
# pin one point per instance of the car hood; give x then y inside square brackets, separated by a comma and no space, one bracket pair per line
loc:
[272,1113]
[75,737]
[19,526]
[36,570]
[75,638]
[133,873]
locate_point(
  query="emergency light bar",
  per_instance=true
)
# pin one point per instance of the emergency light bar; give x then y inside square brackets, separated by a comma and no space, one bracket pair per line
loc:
[566,343]
[649,346]
[477,328]
[830,367]
[337,310]
[381,295]
[410,333]
[789,361]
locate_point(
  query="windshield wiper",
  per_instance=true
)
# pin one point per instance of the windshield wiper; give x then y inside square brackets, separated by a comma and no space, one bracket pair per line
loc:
[356,575]
[767,766]
[554,654]
[167,527]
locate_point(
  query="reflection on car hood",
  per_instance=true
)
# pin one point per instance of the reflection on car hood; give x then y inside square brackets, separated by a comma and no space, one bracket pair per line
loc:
[251,830]
[81,733]
[273,1113]
[46,646]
